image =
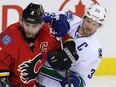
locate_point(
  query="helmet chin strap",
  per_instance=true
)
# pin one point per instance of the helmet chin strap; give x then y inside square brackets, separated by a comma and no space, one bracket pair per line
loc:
[41,25]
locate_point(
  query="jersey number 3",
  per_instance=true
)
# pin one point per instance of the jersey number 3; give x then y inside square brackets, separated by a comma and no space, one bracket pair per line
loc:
[91,74]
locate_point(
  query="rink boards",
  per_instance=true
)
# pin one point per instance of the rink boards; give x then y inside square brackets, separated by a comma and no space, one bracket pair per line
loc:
[107,67]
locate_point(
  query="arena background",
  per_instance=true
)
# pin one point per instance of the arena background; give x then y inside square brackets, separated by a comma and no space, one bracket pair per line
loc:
[10,12]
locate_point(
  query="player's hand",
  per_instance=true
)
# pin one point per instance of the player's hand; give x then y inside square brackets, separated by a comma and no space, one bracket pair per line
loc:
[4,78]
[63,59]
[59,24]
[74,80]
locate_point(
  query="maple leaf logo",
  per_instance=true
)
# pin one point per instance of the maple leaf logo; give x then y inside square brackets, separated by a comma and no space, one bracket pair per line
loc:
[79,6]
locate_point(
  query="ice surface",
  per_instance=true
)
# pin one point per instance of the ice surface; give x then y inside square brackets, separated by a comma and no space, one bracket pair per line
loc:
[103,81]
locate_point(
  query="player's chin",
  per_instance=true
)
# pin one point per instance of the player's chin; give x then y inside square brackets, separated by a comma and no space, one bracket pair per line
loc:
[30,35]
[87,33]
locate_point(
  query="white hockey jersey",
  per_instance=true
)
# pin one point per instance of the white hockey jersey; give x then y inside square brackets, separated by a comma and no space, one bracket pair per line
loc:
[88,49]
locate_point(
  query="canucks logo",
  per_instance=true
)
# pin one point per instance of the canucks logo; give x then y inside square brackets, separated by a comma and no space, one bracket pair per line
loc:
[27,69]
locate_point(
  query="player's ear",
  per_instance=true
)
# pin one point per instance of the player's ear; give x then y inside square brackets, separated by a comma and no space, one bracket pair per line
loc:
[21,22]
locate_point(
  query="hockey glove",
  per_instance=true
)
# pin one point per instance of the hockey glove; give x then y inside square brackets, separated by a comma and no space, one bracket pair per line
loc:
[4,79]
[59,24]
[63,59]
[48,17]
[75,80]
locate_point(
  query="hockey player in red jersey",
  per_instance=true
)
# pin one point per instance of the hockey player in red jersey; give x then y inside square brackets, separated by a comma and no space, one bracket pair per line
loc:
[24,45]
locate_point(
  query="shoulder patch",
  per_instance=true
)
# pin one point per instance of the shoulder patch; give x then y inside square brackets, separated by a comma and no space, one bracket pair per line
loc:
[6,39]
[100,52]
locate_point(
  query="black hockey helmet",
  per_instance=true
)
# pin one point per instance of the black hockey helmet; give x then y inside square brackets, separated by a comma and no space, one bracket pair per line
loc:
[33,13]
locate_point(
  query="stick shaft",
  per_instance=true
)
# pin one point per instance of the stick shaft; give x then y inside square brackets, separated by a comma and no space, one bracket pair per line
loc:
[66,73]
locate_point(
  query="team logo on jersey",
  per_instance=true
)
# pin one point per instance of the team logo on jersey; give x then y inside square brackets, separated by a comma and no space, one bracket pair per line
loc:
[76,6]
[100,52]
[6,39]
[43,46]
[29,69]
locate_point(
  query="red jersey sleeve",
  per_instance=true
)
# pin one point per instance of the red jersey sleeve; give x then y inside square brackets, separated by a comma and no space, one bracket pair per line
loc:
[67,38]
[5,41]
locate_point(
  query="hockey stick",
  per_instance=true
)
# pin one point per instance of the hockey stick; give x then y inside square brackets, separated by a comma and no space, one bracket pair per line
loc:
[66,73]
[61,43]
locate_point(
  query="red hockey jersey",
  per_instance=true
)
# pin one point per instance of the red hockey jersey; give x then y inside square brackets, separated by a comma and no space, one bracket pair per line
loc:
[16,56]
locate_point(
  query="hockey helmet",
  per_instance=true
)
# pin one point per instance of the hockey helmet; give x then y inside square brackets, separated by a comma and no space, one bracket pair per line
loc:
[33,13]
[96,13]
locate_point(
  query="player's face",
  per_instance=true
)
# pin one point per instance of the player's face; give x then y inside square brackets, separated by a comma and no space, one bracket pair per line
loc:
[89,26]
[31,29]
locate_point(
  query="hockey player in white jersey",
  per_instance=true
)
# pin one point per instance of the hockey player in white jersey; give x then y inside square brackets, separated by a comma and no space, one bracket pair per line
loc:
[87,47]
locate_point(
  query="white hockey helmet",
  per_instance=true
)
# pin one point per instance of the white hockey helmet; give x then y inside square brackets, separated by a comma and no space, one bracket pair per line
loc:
[96,13]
